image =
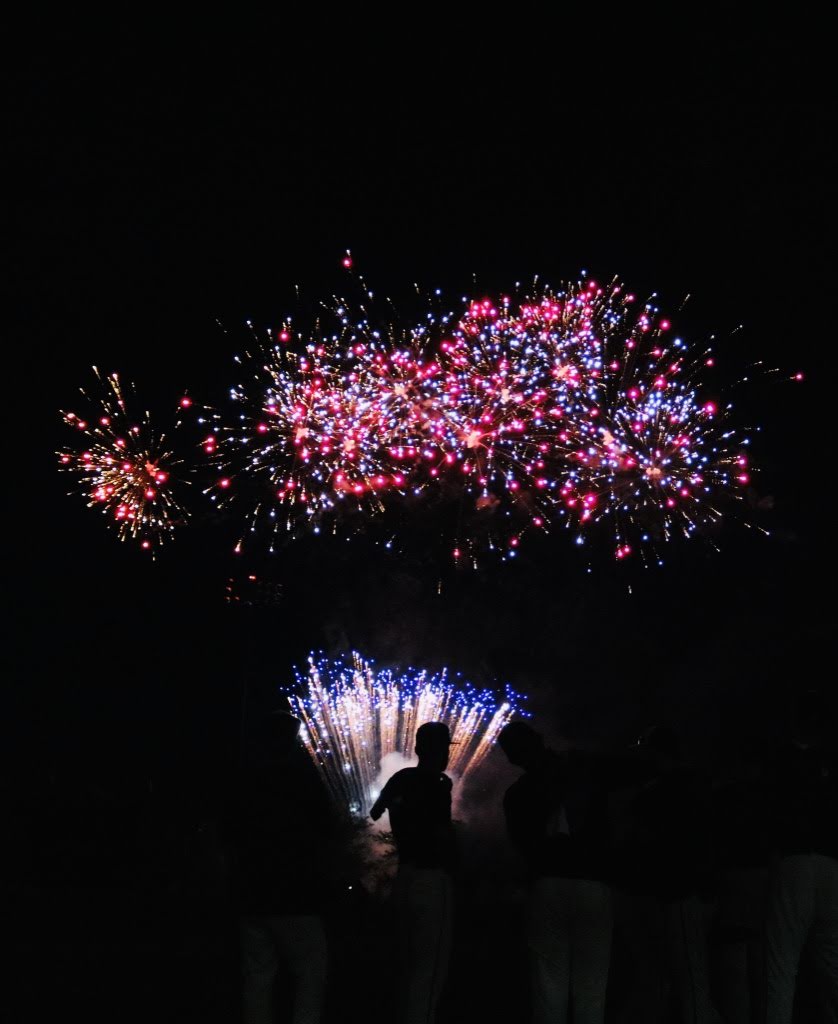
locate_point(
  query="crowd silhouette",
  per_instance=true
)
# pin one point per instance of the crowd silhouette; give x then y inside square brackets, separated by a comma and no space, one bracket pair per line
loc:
[631,885]
[716,895]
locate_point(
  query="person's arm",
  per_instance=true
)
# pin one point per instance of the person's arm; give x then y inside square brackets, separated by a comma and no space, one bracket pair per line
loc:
[381,804]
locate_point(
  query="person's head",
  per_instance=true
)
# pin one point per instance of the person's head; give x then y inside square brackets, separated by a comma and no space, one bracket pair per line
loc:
[522,745]
[433,741]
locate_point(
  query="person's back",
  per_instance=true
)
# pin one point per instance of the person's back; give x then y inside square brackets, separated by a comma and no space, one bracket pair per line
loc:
[804,793]
[555,816]
[278,828]
[803,901]
[419,803]
[672,812]
[741,856]
[279,823]
[668,861]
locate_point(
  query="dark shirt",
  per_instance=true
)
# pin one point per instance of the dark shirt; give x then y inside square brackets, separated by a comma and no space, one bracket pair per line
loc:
[671,852]
[556,817]
[804,791]
[740,825]
[419,803]
[279,826]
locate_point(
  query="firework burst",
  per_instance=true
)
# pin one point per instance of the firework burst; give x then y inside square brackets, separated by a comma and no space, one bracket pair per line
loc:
[639,444]
[123,467]
[574,407]
[510,377]
[331,429]
[577,407]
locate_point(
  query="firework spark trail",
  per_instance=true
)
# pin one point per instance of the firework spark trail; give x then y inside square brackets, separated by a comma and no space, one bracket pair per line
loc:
[354,715]
[123,467]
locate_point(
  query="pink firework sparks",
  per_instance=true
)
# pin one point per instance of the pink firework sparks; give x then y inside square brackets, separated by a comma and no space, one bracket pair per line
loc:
[123,468]
[575,407]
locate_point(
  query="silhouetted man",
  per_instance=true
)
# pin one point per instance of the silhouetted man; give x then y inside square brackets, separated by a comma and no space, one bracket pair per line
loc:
[741,855]
[803,900]
[669,855]
[556,820]
[279,827]
[419,802]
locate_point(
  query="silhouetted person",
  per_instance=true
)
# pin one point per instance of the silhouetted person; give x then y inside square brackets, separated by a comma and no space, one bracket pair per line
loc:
[741,851]
[670,860]
[279,827]
[556,818]
[419,802]
[803,902]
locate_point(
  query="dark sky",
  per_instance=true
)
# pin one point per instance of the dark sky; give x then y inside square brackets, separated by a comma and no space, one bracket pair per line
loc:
[169,177]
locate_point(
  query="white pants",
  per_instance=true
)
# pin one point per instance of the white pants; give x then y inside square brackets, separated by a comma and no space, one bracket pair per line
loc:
[424,903]
[802,911]
[569,938]
[298,940]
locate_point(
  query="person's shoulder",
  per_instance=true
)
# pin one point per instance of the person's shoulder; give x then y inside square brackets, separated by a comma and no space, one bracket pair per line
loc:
[517,789]
[402,778]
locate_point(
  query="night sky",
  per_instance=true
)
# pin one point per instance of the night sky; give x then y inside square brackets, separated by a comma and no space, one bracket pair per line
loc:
[173,180]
